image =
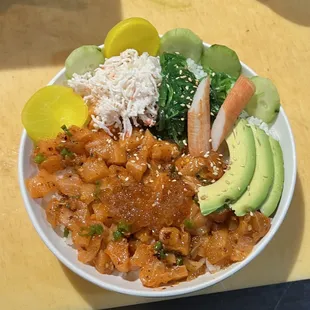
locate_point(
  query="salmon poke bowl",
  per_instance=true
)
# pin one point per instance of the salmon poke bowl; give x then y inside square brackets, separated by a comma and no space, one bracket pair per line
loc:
[156,165]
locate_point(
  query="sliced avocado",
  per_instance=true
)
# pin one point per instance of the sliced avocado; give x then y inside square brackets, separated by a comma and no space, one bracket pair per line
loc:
[272,200]
[262,180]
[236,179]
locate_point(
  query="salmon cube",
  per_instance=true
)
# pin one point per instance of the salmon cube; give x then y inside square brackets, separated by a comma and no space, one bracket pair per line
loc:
[41,184]
[164,151]
[52,164]
[136,168]
[93,169]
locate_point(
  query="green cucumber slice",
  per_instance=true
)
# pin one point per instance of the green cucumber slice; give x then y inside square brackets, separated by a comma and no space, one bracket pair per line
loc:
[221,58]
[83,59]
[183,41]
[265,104]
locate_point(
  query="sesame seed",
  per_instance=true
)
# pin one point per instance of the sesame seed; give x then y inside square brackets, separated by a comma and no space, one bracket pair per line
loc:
[182,119]
[184,142]
[186,87]
[212,181]
[221,155]
[174,180]
[192,91]
[188,106]
[210,140]
[182,105]
[163,186]
[151,181]
[159,166]
[180,72]
[190,79]
[188,98]
[179,173]
[185,190]
[149,166]
[126,179]
[169,191]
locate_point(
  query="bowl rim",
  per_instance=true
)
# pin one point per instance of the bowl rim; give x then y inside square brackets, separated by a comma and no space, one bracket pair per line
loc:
[151,292]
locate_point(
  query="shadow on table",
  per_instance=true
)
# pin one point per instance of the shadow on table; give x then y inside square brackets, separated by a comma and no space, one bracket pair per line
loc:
[273,265]
[43,32]
[297,11]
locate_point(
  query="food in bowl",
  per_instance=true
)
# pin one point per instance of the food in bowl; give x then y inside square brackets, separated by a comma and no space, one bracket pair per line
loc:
[156,164]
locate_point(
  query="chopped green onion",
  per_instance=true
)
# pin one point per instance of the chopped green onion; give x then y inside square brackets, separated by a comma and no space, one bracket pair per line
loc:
[66,232]
[117,235]
[66,130]
[162,254]
[93,230]
[123,228]
[188,224]
[39,159]
[158,246]
[179,261]
[65,152]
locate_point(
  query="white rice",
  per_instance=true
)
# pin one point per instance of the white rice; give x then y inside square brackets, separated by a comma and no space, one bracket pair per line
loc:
[60,230]
[197,70]
[260,124]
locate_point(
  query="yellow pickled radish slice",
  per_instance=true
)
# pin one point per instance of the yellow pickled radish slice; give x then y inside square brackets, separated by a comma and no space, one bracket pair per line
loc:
[136,33]
[50,108]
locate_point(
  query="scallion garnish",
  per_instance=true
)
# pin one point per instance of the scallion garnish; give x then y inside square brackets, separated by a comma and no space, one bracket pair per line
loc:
[66,130]
[65,152]
[158,246]
[66,232]
[39,158]
[188,224]
[117,235]
[179,261]
[93,230]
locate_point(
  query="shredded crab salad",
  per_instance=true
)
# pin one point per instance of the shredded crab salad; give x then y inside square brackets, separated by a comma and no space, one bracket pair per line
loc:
[124,89]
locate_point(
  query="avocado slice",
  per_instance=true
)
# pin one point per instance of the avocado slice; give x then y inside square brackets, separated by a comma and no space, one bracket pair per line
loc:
[272,200]
[262,180]
[234,182]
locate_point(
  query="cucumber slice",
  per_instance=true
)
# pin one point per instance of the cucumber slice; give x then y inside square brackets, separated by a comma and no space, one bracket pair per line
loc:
[183,41]
[265,104]
[83,59]
[221,58]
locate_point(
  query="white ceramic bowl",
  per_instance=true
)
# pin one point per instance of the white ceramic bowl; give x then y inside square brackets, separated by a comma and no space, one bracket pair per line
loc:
[68,256]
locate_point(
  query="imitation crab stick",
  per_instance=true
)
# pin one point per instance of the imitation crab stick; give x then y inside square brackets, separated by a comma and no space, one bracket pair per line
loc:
[199,129]
[235,102]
